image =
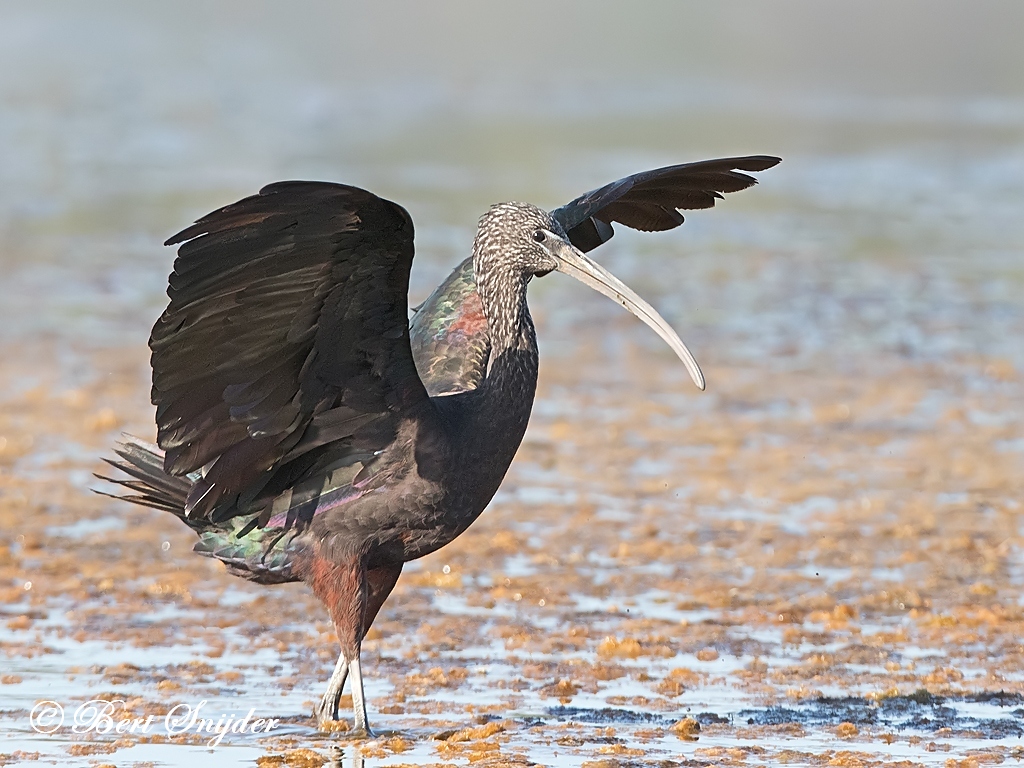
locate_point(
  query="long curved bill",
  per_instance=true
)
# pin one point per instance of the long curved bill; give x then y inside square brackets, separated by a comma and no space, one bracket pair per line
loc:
[572,262]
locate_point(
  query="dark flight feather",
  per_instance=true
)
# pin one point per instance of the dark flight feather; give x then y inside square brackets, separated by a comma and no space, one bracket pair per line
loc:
[651,201]
[287,328]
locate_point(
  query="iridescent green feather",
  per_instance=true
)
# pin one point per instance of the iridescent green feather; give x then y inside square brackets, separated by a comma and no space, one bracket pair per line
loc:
[449,335]
[263,555]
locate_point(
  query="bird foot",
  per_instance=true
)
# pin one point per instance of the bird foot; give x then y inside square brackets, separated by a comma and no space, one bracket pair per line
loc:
[327,721]
[326,714]
[342,727]
[327,725]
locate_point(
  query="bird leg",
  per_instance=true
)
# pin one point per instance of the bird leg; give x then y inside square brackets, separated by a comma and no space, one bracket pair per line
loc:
[342,588]
[353,596]
[327,710]
[380,582]
[362,724]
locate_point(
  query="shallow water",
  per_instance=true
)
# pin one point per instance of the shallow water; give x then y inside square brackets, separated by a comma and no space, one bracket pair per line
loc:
[819,560]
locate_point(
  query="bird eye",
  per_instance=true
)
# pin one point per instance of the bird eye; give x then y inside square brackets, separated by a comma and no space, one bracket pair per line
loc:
[539,235]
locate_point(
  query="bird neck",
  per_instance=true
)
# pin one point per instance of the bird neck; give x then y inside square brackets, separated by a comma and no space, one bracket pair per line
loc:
[492,419]
[510,382]
[512,362]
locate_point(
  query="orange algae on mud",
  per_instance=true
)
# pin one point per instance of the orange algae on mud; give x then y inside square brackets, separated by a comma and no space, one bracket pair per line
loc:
[479,732]
[751,574]
[686,729]
[563,690]
[628,648]
[847,730]
[293,758]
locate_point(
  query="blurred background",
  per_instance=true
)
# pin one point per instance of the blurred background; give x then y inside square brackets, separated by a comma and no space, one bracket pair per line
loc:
[901,126]
[819,523]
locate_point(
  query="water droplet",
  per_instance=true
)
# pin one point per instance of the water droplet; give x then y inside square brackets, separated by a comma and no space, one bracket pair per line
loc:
[166,546]
[28,585]
[446,569]
[541,602]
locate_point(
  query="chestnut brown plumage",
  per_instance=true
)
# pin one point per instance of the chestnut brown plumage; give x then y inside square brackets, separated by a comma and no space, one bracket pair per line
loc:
[308,431]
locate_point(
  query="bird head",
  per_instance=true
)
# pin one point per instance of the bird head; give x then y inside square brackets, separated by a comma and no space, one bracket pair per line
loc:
[516,238]
[522,241]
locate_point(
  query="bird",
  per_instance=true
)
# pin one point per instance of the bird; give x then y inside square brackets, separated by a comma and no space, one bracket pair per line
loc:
[311,427]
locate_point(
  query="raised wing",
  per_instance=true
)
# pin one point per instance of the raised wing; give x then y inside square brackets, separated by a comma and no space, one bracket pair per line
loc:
[651,201]
[287,331]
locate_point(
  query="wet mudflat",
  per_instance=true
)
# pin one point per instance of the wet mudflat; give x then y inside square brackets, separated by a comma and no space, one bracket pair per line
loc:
[816,563]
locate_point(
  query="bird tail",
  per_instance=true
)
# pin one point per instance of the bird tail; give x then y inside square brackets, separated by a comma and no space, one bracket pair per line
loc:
[151,486]
[247,550]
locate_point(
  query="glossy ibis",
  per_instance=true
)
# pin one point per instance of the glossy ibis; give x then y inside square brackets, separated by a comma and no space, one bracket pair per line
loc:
[308,431]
